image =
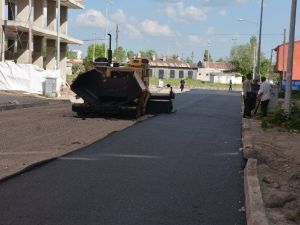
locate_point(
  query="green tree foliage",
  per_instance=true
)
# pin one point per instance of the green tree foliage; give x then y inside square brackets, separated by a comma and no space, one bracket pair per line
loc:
[130,54]
[99,52]
[241,57]
[71,55]
[207,56]
[150,52]
[77,69]
[174,56]
[121,54]
[264,66]
[220,60]
[189,61]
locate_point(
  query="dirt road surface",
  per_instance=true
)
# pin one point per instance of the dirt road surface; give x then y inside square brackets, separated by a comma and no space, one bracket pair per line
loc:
[35,134]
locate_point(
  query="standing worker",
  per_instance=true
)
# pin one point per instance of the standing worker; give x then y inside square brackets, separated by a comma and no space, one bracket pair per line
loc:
[247,90]
[264,95]
[230,85]
[182,82]
[255,88]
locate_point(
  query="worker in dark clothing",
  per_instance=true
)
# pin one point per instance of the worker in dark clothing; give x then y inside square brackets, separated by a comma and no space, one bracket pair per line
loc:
[253,97]
[230,85]
[182,82]
[247,92]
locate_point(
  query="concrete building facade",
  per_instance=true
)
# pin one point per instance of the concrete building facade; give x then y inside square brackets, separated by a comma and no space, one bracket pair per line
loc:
[29,32]
[282,60]
[171,69]
[217,72]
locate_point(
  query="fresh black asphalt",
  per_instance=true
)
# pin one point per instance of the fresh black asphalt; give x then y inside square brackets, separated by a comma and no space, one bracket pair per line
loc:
[179,169]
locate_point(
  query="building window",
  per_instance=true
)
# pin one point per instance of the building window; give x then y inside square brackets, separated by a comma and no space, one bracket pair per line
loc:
[181,74]
[190,74]
[172,74]
[150,71]
[161,74]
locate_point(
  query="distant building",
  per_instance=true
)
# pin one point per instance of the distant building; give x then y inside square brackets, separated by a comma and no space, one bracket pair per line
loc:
[30,33]
[165,68]
[282,62]
[217,72]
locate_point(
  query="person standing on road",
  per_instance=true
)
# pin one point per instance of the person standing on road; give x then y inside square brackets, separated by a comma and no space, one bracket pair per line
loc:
[182,82]
[247,91]
[264,95]
[230,85]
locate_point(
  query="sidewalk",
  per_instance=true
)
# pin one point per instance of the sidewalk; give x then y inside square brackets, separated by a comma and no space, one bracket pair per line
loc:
[17,99]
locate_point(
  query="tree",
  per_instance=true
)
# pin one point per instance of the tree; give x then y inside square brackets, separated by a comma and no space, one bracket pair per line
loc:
[189,61]
[71,54]
[130,54]
[207,56]
[150,53]
[174,56]
[241,57]
[99,52]
[142,54]
[121,54]
[264,66]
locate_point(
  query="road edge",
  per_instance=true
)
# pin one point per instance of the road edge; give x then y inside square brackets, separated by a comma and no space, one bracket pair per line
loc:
[255,210]
[5,107]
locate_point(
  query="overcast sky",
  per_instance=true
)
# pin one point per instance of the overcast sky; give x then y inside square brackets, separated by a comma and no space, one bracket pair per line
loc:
[183,26]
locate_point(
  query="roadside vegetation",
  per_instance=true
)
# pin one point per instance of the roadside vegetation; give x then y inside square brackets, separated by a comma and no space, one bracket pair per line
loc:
[280,120]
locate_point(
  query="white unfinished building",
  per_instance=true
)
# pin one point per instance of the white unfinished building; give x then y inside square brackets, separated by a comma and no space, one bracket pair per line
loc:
[29,33]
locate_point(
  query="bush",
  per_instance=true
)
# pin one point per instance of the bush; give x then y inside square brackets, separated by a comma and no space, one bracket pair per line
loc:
[280,119]
[295,95]
[77,69]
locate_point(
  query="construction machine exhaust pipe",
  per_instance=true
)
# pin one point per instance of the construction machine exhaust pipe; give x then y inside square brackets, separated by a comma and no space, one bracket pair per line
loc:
[109,51]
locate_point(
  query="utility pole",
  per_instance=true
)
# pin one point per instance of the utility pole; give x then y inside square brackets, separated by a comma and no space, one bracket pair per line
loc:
[254,60]
[259,41]
[108,2]
[117,43]
[193,56]
[283,55]
[30,47]
[270,66]
[288,86]
[58,36]
[94,47]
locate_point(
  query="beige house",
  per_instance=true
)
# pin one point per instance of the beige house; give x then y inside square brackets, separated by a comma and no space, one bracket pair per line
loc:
[217,72]
[29,32]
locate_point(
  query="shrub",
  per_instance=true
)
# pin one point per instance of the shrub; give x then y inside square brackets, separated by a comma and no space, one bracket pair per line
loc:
[77,69]
[280,119]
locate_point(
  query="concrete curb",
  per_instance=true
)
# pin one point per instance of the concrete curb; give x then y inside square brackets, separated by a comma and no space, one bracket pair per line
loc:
[4,107]
[255,211]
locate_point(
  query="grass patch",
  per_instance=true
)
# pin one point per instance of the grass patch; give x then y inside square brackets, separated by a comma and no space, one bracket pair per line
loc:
[295,95]
[281,120]
[189,83]
[70,78]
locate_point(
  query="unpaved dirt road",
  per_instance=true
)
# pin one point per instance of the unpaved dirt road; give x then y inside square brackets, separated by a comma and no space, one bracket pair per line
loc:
[34,134]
